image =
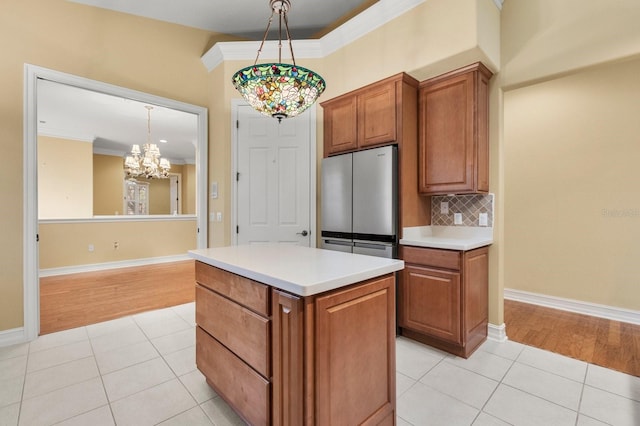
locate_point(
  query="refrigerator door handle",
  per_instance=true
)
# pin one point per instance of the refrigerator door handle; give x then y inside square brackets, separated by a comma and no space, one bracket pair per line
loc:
[380,246]
[338,242]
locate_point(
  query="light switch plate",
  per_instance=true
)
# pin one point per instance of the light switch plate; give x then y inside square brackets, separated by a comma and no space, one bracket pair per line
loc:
[457,218]
[214,189]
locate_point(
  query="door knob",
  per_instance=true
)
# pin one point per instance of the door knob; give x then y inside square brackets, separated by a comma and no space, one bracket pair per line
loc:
[303,233]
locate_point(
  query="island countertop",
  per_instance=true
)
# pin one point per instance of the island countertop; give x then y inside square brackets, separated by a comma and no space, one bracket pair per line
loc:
[303,271]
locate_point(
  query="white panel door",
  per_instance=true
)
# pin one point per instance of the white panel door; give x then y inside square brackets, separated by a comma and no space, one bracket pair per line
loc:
[273,179]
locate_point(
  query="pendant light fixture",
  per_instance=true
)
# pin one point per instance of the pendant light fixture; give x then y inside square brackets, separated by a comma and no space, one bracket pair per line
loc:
[278,90]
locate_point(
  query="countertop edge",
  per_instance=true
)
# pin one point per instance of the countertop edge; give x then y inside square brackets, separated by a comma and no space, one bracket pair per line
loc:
[466,246]
[297,289]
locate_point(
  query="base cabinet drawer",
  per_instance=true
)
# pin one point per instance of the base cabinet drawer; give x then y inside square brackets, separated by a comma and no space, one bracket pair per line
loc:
[246,292]
[242,331]
[244,389]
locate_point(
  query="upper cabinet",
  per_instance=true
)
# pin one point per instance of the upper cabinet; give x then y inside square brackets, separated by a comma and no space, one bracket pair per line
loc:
[454,132]
[382,113]
[367,117]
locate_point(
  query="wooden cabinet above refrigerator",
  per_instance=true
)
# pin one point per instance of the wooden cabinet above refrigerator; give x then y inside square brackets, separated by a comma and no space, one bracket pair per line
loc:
[373,115]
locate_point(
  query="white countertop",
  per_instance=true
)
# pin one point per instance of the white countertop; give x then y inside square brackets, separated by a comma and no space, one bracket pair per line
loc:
[447,237]
[300,270]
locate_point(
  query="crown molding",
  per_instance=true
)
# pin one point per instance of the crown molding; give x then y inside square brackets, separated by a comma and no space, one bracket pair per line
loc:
[53,133]
[374,17]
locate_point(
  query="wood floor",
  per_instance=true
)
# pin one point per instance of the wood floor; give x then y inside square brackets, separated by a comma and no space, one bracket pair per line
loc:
[610,344]
[74,300]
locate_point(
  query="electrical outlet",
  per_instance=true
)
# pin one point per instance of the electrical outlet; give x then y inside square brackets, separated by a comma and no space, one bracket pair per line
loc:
[444,207]
[457,218]
[91,248]
[219,216]
[483,219]
[116,245]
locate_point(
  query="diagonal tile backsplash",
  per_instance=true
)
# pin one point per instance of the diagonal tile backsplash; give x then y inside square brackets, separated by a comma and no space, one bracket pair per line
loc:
[469,205]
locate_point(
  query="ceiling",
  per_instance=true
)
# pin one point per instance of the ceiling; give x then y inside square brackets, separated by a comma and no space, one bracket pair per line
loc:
[113,123]
[242,18]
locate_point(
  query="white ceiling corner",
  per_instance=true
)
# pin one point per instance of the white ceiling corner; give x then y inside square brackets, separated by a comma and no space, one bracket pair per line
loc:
[371,18]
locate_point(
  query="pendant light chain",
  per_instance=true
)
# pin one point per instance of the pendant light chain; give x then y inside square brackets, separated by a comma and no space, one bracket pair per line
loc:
[149,108]
[266,33]
[286,24]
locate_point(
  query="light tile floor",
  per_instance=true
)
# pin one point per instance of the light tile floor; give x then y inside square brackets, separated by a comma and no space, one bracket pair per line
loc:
[140,370]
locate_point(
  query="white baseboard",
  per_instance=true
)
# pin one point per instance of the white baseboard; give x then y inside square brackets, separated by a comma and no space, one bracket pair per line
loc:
[66,270]
[12,337]
[577,306]
[497,333]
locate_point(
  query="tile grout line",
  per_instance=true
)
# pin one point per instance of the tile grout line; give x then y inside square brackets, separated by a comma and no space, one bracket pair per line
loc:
[104,389]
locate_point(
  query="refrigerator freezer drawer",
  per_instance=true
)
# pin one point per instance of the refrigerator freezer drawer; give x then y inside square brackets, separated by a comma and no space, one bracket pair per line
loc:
[375,249]
[337,245]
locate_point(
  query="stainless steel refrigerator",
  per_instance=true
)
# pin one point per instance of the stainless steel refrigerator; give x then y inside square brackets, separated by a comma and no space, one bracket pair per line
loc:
[359,202]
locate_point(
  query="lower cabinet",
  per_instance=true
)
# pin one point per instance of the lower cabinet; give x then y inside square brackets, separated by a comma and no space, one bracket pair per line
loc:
[443,298]
[330,360]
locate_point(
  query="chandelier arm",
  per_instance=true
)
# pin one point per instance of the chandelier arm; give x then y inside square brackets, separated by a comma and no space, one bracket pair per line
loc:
[286,25]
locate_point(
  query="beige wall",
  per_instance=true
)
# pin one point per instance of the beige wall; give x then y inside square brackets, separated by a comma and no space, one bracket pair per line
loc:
[65,176]
[188,189]
[569,149]
[90,42]
[572,217]
[107,185]
[159,200]
[137,239]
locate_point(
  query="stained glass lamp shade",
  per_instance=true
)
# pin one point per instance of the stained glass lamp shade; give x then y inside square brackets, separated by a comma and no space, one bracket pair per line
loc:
[279,90]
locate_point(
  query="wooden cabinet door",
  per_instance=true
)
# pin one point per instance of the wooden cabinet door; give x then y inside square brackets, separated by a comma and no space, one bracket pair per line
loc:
[454,132]
[377,115]
[355,365]
[446,129]
[340,130]
[431,302]
[288,359]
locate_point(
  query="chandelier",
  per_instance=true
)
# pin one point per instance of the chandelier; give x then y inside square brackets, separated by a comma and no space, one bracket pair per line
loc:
[278,90]
[147,164]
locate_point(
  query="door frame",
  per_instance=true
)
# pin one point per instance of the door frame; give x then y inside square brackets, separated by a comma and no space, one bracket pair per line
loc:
[31,274]
[313,156]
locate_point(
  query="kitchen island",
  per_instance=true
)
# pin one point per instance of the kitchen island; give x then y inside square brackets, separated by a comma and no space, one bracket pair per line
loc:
[292,335]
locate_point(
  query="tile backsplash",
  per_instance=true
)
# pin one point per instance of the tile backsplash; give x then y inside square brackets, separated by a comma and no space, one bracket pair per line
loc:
[469,205]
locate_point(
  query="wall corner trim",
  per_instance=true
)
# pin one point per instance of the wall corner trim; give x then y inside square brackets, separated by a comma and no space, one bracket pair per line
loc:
[375,16]
[497,333]
[577,306]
